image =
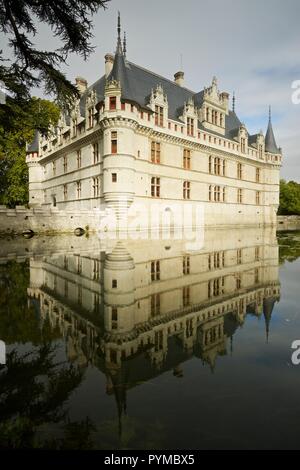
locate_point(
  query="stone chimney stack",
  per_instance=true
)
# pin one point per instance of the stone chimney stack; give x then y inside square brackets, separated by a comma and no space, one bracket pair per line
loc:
[109,62]
[225,99]
[81,84]
[179,78]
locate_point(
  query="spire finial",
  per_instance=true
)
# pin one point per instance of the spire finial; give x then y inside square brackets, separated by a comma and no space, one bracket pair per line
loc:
[233,102]
[124,44]
[119,26]
[270,113]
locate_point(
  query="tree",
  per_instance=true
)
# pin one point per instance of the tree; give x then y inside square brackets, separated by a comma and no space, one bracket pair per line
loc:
[69,20]
[19,122]
[289,198]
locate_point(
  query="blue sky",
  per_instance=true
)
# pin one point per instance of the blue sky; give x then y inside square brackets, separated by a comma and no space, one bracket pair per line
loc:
[253,47]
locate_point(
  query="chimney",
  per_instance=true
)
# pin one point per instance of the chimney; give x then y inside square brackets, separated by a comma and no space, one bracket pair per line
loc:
[225,99]
[179,78]
[109,62]
[81,84]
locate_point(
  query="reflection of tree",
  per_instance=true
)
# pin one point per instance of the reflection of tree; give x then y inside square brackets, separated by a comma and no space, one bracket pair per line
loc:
[289,246]
[33,391]
[18,320]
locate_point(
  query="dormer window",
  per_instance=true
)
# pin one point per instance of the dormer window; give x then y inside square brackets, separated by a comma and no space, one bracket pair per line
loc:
[159,116]
[260,151]
[74,127]
[190,126]
[90,117]
[243,145]
[112,103]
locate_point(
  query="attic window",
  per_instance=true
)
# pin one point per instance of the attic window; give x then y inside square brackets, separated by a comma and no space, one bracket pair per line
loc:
[159,116]
[112,103]
[90,117]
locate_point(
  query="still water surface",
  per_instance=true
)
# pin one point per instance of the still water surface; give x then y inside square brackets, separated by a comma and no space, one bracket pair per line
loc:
[147,345]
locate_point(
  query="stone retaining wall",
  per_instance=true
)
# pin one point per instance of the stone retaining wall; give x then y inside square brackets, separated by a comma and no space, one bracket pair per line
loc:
[288,222]
[47,220]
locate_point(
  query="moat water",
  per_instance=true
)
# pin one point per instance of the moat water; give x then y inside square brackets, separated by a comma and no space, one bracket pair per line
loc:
[145,345]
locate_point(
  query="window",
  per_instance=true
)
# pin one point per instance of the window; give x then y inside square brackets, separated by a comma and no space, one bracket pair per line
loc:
[79,298]
[186,295]
[256,275]
[78,158]
[243,145]
[186,265]
[224,194]
[257,176]
[114,177]
[114,283]
[142,115]
[155,187]
[238,282]
[96,270]
[54,168]
[260,151]
[210,164]
[123,106]
[114,318]
[74,127]
[217,166]
[207,114]
[114,142]
[210,193]
[221,120]
[155,270]
[158,341]
[257,254]
[186,159]
[79,265]
[155,152]
[224,167]
[257,198]
[159,116]
[78,189]
[96,186]
[90,118]
[65,192]
[96,153]
[217,194]
[190,126]
[65,164]
[131,108]
[239,171]
[112,103]
[155,305]
[239,256]
[239,195]
[186,190]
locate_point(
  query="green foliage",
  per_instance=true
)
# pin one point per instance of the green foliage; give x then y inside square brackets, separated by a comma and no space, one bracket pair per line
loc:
[18,320]
[289,198]
[18,121]
[33,391]
[70,22]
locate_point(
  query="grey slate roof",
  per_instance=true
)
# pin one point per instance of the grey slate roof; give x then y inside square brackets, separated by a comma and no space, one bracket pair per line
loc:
[34,146]
[270,142]
[137,83]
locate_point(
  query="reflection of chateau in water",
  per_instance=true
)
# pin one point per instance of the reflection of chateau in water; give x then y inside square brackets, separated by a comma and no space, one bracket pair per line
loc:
[148,306]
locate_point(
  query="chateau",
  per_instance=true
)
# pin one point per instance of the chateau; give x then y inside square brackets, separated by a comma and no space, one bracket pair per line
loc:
[136,137]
